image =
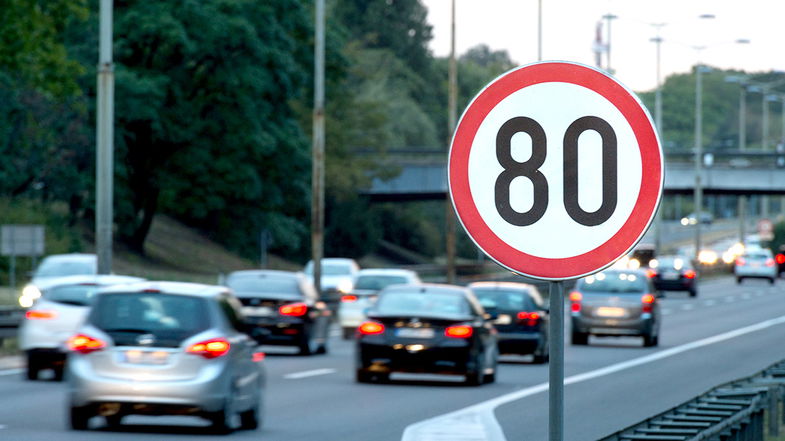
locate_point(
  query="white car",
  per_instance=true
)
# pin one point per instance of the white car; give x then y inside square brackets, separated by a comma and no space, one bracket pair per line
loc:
[756,263]
[351,311]
[54,266]
[337,278]
[55,316]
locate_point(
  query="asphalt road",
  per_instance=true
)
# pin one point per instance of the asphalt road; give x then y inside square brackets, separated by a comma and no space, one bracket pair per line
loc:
[315,398]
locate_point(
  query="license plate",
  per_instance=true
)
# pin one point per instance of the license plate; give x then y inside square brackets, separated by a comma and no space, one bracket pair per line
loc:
[670,276]
[415,332]
[257,311]
[606,311]
[503,319]
[146,357]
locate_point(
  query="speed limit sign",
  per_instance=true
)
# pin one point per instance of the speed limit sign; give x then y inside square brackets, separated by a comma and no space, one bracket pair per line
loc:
[555,170]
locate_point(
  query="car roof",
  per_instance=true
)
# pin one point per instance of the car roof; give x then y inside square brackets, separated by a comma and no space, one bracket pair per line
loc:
[167,287]
[261,272]
[506,285]
[97,279]
[386,272]
[428,288]
[71,257]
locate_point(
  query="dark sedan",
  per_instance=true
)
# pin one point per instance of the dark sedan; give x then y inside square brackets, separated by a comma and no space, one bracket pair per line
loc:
[674,273]
[430,328]
[520,317]
[283,307]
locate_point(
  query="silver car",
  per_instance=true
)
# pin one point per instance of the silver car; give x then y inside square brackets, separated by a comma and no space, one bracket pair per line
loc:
[756,264]
[165,348]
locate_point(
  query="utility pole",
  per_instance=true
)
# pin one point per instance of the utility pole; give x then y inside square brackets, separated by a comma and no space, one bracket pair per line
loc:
[317,153]
[451,118]
[104,163]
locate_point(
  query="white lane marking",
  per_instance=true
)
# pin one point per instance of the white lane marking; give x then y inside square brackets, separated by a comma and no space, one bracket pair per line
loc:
[439,428]
[11,372]
[306,374]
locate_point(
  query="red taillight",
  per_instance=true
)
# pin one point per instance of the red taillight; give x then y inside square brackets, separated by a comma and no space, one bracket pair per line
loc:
[257,357]
[650,273]
[690,274]
[349,298]
[85,344]
[459,331]
[575,298]
[371,328]
[529,318]
[648,302]
[212,348]
[780,258]
[40,315]
[294,309]
[740,262]
[769,262]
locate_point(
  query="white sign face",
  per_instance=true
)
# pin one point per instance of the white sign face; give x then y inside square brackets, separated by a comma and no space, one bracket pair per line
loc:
[555,170]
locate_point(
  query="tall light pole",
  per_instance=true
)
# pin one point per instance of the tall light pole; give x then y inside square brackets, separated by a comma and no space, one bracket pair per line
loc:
[698,194]
[608,18]
[452,99]
[658,124]
[317,152]
[104,165]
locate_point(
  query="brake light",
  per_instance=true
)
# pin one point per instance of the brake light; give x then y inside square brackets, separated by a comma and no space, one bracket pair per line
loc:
[769,262]
[84,344]
[531,318]
[780,258]
[371,328]
[648,303]
[294,309]
[650,273]
[459,331]
[575,298]
[690,274]
[349,298]
[212,348]
[40,315]
[740,262]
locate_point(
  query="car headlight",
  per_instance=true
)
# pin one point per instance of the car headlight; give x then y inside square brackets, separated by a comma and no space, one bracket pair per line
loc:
[31,291]
[345,286]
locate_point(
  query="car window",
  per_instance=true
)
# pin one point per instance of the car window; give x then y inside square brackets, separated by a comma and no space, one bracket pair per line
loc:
[80,295]
[265,284]
[413,303]
[614,282]
[378,282]
[169,318]
[757,256]
[505,300]
[64,268]
[673,262]
[231,313]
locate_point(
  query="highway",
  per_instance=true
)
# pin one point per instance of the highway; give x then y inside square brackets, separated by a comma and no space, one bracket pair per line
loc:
[611,384]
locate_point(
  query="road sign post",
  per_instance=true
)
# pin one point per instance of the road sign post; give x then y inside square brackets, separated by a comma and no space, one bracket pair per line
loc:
[555,172]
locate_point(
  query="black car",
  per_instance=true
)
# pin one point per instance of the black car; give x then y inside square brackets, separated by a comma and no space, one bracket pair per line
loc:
[430,328]
[780,259]
[674,273]
[284,307]
[521,317]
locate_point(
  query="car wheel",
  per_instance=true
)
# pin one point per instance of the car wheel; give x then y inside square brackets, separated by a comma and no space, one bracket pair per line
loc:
[308,345]
[772,280]
[475,376]
[738,280]
[540,358]
[363,376]
[58,373]
[579,338]
[249,420]
[79,417]
[221,420]
[348,333]
[650,340]
[33,366]
[693,292]
[114,420]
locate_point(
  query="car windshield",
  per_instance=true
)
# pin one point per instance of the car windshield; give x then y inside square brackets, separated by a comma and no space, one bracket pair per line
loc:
[418,303]
[614,282]
[64,268]
[263,284]
[169,318]
[80,295]
[505,300]
[378,282]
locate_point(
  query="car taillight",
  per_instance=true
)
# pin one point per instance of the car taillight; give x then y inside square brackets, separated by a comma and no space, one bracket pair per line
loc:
[85,344]
[769,262]
[690,274]
[212,348]
[780,258]
[40,315]
[529,318]
[349,298]
[650,273]
[294,309]
[459,331]
[648,303]
[740,262]
[371,328]
[575,298]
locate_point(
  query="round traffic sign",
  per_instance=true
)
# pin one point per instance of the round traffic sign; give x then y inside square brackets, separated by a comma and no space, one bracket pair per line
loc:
[555,170]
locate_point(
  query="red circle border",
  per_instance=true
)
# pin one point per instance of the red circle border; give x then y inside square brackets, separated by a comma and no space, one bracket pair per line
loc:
[649,193]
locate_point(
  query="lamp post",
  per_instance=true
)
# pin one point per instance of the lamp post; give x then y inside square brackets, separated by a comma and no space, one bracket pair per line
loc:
[658,123]
[698,194]
[104,165]
[608,18]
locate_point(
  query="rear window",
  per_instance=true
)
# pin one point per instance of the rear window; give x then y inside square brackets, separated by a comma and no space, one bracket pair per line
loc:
[673,262]
[416,303]
[757,256]
[265,284]
[331,269]
[505,300]
[80,295]
[64,268]
[614,282]
[169,318]
[379,282]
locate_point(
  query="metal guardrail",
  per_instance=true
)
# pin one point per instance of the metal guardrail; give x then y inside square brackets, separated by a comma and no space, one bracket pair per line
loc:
[732,412]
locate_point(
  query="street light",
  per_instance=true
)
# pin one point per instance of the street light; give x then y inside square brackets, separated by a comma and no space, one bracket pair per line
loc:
[743,85]
[608,18]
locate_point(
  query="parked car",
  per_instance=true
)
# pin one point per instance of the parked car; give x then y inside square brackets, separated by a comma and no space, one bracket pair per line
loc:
[756,263]
[164,348]
[55,316]
[674,273]
[521,317]
[615,303]
[284,308]
[427,328]
[351,311]
[57,265]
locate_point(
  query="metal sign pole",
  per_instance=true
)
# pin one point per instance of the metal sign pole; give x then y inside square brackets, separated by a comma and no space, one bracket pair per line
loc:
[556,365]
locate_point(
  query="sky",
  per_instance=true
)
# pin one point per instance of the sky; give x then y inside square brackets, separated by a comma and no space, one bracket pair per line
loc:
[569,28]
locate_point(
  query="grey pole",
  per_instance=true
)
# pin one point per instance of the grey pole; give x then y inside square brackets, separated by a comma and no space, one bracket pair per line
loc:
[698,155]
[658,123]
[104,165]
[743,117]
[317,153]
[608,18]
[539,30]
[450,227]
[764,141]
[556,365]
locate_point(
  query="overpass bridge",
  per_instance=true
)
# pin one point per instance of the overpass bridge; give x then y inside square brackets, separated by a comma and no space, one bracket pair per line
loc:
[423,175]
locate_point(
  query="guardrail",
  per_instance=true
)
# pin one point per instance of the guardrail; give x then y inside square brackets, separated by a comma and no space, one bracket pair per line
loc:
[733,411]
